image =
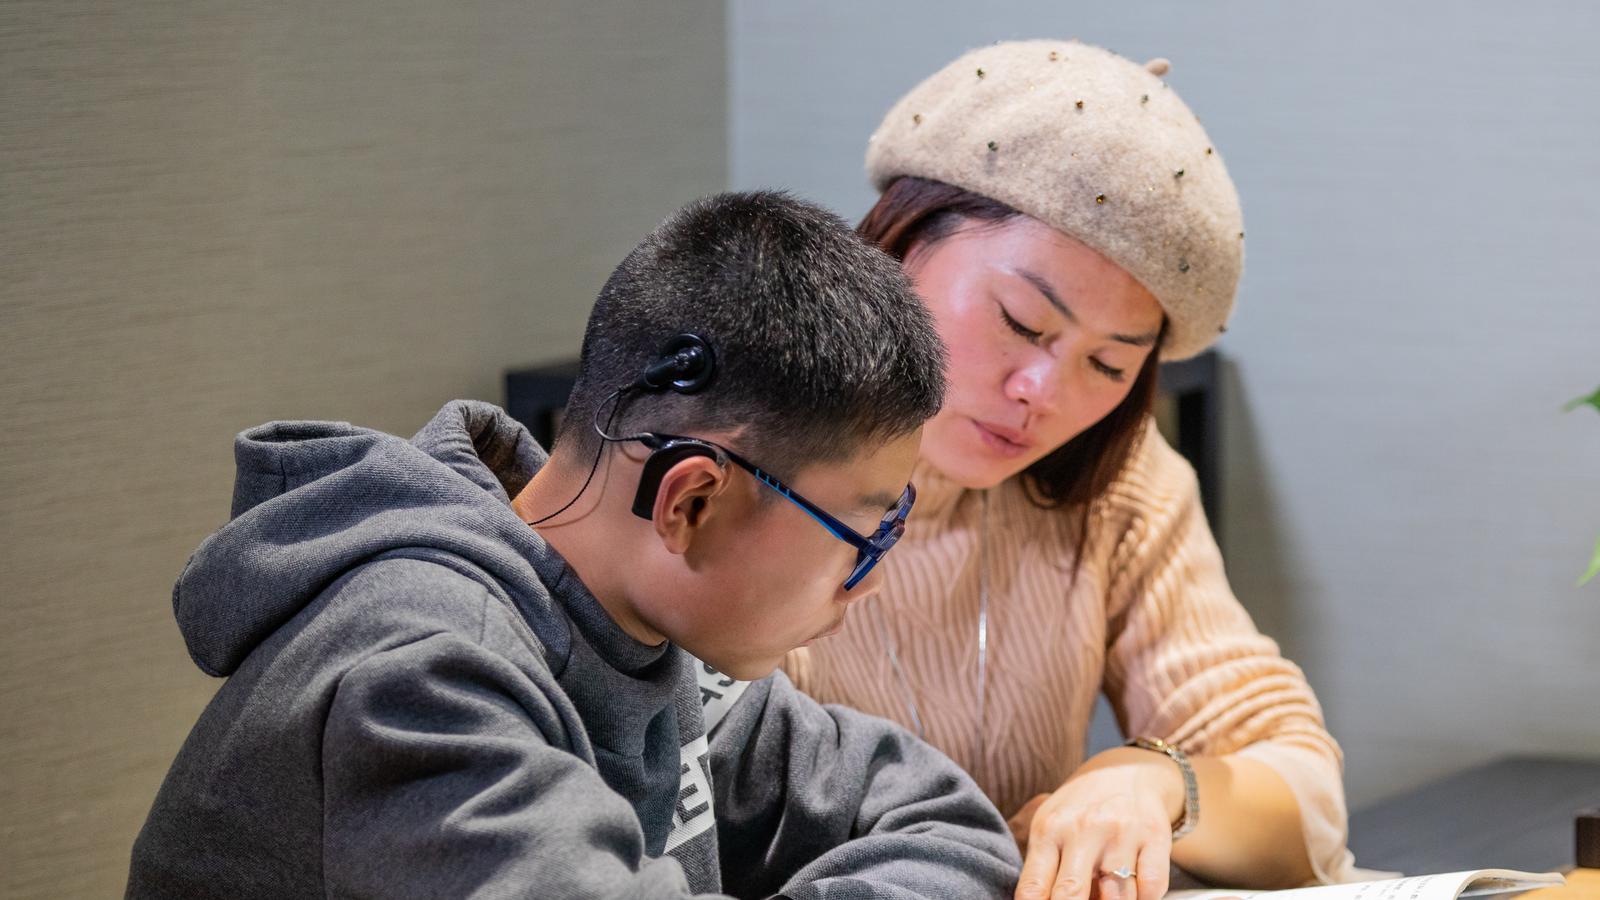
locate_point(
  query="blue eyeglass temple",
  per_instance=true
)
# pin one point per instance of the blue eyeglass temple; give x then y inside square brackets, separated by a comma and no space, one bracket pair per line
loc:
[868,550]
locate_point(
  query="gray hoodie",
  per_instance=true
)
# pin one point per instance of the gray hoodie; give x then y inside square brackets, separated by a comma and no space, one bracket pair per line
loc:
[424,701]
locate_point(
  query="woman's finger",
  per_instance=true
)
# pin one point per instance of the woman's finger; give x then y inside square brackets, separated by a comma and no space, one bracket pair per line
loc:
[1077,874]
[1022,822]
[1038,870]
[1154,867]
[1114,885]
[1117,878]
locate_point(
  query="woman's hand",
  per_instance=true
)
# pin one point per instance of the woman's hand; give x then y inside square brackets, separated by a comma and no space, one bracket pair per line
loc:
[1114,813]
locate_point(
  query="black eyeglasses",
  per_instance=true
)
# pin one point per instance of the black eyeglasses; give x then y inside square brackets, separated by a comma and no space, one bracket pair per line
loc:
[868,549]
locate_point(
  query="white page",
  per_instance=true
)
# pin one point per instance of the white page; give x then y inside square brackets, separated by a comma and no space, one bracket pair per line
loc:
[1448,886]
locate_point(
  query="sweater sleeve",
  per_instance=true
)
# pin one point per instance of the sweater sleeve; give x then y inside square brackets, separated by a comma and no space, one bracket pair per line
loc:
[1185,662]
[446,773]
[817,801]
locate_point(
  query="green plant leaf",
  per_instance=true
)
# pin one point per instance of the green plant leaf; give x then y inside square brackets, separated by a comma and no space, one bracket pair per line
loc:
[1591,400]
[1594,566]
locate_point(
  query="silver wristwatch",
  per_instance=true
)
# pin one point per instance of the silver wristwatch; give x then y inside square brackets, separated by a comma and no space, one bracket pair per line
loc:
[1191,789]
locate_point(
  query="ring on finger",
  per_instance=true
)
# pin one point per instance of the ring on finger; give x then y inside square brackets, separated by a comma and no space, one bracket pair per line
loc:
[1123,873]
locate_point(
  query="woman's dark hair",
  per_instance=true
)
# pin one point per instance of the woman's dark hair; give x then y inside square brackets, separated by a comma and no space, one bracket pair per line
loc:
[916,212]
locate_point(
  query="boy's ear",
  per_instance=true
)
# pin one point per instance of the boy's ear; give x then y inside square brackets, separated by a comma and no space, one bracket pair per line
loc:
[683,501]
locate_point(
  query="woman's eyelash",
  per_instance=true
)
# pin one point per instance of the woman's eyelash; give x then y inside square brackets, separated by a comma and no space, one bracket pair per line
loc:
[1018,327]
[1109,372]
[1032,336]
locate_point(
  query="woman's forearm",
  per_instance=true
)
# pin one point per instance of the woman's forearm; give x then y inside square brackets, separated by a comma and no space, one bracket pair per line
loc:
[1250,833]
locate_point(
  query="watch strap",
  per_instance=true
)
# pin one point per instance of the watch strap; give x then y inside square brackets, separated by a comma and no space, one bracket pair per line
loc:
[1191,788]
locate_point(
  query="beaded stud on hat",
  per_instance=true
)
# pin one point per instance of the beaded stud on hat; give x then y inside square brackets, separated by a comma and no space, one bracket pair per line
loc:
[1094,145]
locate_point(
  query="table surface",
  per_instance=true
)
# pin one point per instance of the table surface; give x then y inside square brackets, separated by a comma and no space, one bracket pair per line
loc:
[1513,813]
[1582,884]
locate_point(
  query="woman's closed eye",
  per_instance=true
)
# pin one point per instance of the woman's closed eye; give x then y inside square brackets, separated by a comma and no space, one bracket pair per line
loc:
[1032,337]
[1110,372]
[1027,334]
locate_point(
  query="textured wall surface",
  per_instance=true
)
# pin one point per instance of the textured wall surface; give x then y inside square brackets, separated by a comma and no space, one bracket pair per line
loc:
[1407,508]
[214,214]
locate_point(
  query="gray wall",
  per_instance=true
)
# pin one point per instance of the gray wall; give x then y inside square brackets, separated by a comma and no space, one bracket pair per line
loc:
[1406,509]
[216,214]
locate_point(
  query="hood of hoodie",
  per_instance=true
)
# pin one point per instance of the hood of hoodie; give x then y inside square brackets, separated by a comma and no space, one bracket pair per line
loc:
[314,499]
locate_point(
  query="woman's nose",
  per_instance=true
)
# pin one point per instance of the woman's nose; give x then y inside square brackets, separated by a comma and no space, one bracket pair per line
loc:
[1037,385]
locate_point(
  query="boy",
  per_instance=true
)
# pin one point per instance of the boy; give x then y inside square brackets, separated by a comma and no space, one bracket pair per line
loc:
[427,697]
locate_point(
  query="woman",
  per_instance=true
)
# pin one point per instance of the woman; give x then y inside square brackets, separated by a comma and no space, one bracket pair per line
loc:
[1069,223]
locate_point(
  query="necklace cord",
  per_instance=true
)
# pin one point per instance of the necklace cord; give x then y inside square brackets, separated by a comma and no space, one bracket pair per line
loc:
[983,635]
[891,650]
[894,663]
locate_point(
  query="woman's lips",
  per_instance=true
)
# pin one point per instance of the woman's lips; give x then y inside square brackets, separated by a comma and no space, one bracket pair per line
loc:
[1001,440]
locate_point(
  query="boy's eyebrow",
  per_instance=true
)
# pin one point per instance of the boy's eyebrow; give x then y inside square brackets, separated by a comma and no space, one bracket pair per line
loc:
[1043,287]
[880,501]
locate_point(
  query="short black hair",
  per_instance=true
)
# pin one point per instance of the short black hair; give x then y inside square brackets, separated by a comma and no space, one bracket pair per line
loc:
[821,345]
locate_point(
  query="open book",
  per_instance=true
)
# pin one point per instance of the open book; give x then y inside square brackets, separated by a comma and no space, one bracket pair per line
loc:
[1477,883]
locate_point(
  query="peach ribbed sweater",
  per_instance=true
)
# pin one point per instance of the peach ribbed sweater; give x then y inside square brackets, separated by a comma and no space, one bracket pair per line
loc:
[1151,621]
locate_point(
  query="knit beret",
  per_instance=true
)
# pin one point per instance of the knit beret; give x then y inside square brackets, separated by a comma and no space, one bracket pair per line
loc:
[1098,147]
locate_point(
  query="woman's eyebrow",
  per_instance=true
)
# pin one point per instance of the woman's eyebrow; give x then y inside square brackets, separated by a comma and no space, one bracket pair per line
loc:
[1043,287]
